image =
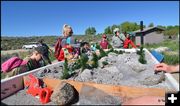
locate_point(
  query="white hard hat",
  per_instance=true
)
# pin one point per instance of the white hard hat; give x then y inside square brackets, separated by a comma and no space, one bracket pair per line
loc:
[115,30]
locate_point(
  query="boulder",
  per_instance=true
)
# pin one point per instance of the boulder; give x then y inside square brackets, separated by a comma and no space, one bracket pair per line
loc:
[153,79]
[137,67]
[63,94]
[112,69]
[86,75]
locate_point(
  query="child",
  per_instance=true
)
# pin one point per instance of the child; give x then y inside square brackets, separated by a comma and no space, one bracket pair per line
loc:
[85,48]
[47,50]
[68,50]
[104,43]
[128,41]
[17,66]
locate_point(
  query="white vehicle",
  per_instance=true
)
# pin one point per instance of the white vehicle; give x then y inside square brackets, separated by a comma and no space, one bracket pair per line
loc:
[31,45]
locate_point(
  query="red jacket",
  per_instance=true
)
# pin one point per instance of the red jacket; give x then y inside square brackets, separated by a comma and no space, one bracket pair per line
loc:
[61,55]
[127,42]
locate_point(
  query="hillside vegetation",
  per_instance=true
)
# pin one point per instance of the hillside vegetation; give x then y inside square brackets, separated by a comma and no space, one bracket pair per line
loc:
[12,43]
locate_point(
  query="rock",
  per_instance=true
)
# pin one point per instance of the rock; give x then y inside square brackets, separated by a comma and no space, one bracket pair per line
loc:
[104,58]
[112,69]
[154,79]
[162,49]
[86,75]
[137,67]
[63,94]
[100,62]
[107,76]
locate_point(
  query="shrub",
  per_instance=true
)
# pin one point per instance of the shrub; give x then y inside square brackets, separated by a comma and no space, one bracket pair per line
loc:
[65,70]
[95,61]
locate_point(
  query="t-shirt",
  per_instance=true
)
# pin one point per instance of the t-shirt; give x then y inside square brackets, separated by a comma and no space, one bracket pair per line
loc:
[104,44]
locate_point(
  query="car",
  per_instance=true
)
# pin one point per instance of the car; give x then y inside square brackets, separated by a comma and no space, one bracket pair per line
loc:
[31,45]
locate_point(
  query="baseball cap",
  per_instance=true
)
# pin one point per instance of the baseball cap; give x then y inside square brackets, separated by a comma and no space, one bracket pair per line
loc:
[42,51]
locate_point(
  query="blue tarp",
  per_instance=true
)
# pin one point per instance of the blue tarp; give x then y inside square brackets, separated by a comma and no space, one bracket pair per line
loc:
[157,55]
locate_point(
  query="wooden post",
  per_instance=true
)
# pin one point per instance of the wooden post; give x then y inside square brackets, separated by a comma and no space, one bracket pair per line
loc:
[142,34]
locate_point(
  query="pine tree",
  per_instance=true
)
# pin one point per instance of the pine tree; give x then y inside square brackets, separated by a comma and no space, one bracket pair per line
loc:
[142,56]
[95,61]
[65,70]
[83,61]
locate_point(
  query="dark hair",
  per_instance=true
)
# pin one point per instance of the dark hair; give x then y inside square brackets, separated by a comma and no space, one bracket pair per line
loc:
[84,43]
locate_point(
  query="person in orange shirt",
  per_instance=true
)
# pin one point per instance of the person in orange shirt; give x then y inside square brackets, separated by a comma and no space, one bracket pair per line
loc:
[128,41]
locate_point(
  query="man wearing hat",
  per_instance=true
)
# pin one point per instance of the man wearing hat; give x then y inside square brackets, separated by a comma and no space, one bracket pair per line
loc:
[117,39]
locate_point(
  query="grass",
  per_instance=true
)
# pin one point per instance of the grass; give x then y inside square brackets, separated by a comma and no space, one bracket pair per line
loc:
[173,45]
[171,59]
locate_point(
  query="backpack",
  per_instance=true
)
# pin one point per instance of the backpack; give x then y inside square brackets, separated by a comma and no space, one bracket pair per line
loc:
[58,48]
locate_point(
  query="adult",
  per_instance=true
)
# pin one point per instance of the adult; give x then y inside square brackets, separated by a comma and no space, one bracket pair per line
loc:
[166,68]
[118,38]
[128,41]
[104,42]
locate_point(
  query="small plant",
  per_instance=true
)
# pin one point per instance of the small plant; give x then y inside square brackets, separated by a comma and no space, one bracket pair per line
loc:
[120,52]
[115,51]
[95,61]
[142,56]
[110,50]
[110,46]
[139,52]
[76,65]
[105,63]
[65,70]
[142,59]
[83,61]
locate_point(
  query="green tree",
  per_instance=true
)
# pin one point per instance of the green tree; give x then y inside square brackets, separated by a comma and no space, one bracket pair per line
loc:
[160,26]
[129,26]
[171,31]
[90,31]
[93,31]
[151,25]
[108,30]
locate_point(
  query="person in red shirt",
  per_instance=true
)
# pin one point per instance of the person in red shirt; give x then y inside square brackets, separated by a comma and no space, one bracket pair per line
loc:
[104,43]
[128,41]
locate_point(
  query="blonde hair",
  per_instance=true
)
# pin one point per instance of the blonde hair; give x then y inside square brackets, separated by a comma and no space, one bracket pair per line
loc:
[65,28]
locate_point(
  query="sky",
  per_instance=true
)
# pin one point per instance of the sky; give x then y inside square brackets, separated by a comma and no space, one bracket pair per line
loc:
[42,18]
